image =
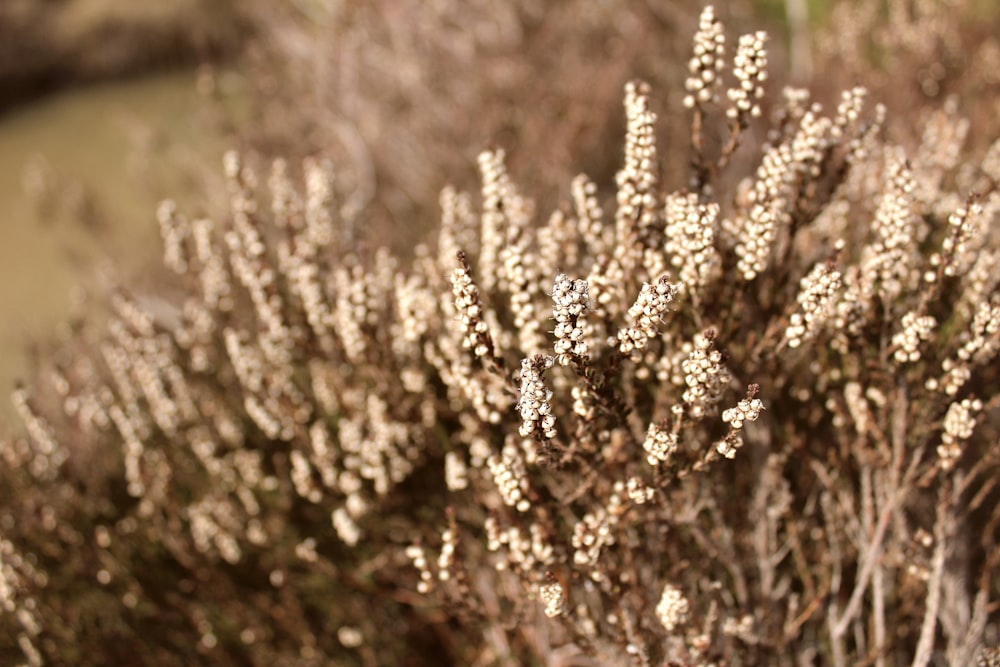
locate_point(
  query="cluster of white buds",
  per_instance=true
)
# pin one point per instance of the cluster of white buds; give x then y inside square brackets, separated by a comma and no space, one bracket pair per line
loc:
[350,310]
[476,336]
[982,279]
[741,628]
[553,596]
[415,307]
[286,206]
[302,477]
[640,142]
[498,197]
[347,530]
[638,491]
[707,61]
[858,407]
[418,555]
[848,111]
[174,230]
[214,526]
[458,227]
[810,142]
[570,300]
[248,258]
[584,403]
[557,244]
[958,249]
[705,376]
[593,533]
[888,259]
[590,217]
[729,445]
[660,444]
[637,195]
[456,472]
[17,572]
[982,344]
[748,409]
[796,102]
[49,453]
[750,70]
[523,552]
[916,328]
[449,549]
[537,420]
[320,204]
[17,576]
[959,423]
[757,237]
[520,270]
[673,608]
[306,550]
[690,239]
[213,276]
[349,636]
[815,298]
[510,476]
[645,314]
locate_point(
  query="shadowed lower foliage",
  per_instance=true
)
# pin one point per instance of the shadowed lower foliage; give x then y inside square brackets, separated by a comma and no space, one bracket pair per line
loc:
[748,419]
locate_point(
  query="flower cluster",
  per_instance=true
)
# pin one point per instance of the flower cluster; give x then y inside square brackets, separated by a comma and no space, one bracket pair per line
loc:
[510,476]
[596,532]
[959,422]
[470,313]
[537,420]
[747,410]
[889,258]
[570,300]
[659,444]
[646,314]
[816,293]
[961,243]
[706,64]
[638,212]
[690,241]
[982,344]
[915,328]
[750,70]
[553,596]
[705,376]
[418,555]
[673,608]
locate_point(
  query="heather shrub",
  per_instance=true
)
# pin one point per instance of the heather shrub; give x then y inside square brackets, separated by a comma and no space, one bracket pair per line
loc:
[745,416]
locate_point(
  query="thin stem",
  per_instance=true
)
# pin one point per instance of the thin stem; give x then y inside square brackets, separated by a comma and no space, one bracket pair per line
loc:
[925,645]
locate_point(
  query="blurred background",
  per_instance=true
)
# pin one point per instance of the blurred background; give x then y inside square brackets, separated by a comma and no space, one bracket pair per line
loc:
[107,106]
[100,116]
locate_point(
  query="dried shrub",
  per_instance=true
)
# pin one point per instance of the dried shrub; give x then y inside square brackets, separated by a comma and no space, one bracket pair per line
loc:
[746,418]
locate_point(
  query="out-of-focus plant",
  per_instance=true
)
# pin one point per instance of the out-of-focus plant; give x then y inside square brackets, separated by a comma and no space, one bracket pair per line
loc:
[402,96]
[936,57]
